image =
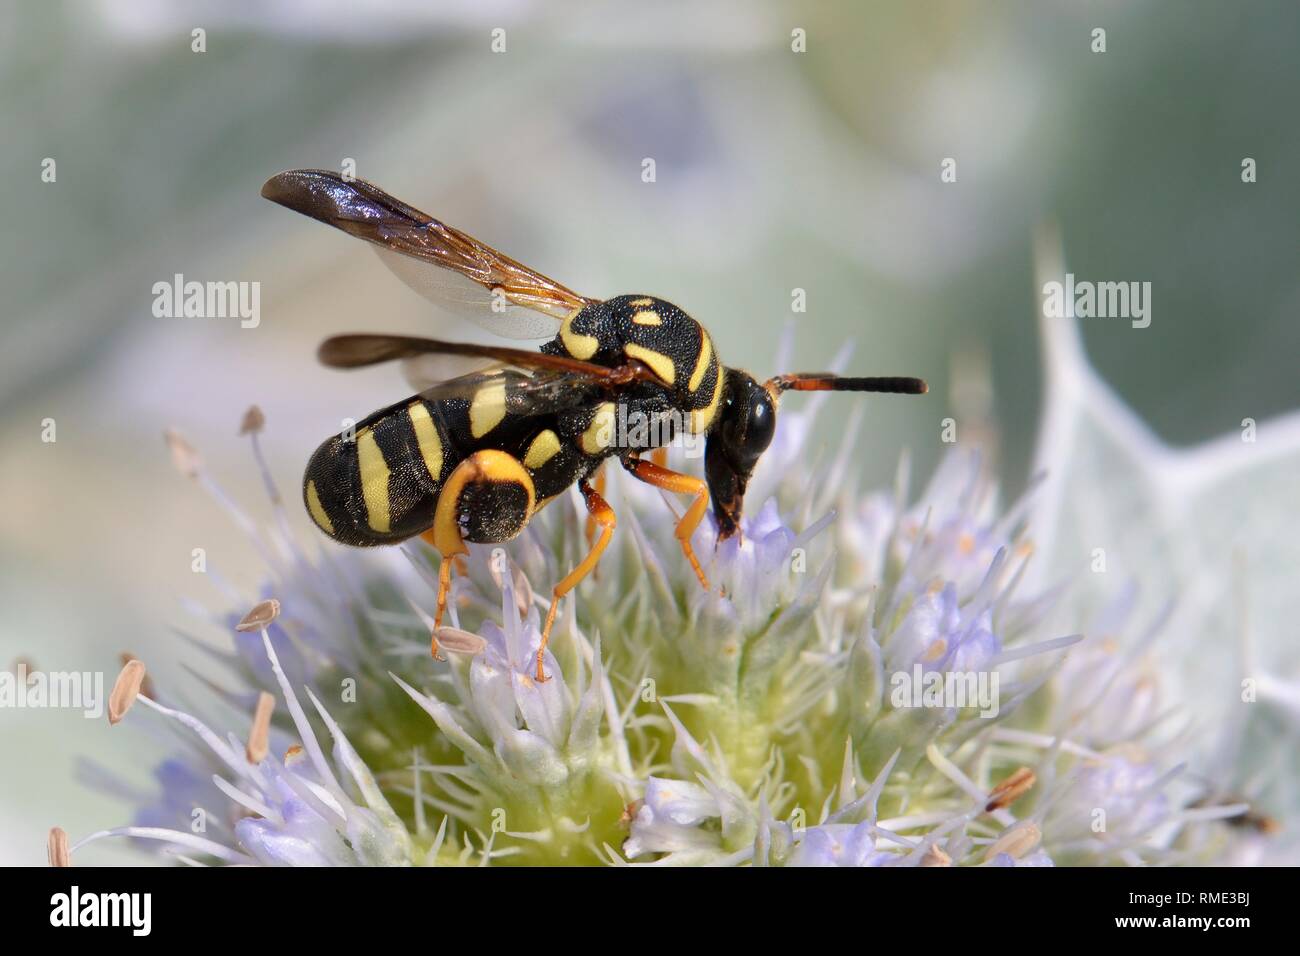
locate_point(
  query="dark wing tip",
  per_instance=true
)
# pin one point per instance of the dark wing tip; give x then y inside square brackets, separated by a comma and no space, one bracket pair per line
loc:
[350,204]
[300,188]
[360,349]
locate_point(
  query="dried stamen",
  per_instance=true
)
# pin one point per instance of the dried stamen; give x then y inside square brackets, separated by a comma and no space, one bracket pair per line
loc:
[146,687]
[259,735]
[260,616]
[184,457]
[1010,790]
[458,641]
[522,588]
[125,690]
[56,847]
[253,421]
[1015,842]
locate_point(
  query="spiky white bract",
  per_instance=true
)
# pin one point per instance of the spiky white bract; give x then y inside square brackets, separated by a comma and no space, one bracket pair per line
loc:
[769,721]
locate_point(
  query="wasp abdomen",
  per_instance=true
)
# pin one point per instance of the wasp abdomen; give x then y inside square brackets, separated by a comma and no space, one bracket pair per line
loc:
[379,483]
[390,477]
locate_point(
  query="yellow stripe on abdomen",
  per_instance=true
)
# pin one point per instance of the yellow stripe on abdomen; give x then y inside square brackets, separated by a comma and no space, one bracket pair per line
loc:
[541,449]
[487,408]
[374,474]
[317,510]
[427,438]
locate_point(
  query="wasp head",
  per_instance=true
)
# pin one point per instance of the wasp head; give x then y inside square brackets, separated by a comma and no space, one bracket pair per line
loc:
[747,420]
[744,429]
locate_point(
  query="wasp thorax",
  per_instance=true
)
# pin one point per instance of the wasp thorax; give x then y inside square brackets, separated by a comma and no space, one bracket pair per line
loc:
[675,350]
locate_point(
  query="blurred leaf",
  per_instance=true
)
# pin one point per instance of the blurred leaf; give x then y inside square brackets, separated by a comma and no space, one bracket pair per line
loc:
[1212,531]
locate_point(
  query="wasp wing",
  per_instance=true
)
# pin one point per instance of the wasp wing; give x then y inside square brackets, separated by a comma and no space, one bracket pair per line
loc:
[539,382]
[527,392]
[445,265]
[425,371]
[364,348]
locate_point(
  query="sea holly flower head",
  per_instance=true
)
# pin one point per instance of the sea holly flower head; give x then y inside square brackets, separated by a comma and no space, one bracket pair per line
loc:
[774,719]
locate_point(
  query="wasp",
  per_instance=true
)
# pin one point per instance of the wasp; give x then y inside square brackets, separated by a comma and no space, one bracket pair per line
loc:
[473,457]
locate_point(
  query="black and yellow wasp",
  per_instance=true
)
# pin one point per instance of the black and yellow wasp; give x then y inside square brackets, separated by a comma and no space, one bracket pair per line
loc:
[474,457]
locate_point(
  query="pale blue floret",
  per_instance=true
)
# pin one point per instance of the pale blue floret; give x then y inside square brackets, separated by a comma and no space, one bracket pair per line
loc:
[679,726]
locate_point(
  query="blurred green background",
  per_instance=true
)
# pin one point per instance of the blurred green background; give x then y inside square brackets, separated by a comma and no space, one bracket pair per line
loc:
[775,170]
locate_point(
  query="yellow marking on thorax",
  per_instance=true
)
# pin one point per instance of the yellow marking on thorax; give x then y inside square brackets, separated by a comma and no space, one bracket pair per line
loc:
[317,510]
[641,302]
[702,363]
[702,418]
[426,437]
[647,317]
[600,433]
[541,450]
[374,481]
[659,363]
[575,343]
[487,408]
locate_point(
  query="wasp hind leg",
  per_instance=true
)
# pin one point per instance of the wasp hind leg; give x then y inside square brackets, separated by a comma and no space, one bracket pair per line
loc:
[674,481]
[487,498]
[602,514]
[444,587]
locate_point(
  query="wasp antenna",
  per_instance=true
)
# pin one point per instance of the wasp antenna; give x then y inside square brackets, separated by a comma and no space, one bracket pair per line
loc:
[828,382]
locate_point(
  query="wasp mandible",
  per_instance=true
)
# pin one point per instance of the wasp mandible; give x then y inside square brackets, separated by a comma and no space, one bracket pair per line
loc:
[472,458]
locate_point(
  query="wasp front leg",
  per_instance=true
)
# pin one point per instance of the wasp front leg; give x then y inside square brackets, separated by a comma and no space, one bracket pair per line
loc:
[599,511]
[674,481]
[597,482]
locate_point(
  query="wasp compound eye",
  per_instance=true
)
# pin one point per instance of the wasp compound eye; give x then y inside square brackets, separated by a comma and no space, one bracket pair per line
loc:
[748,421]
[760,424]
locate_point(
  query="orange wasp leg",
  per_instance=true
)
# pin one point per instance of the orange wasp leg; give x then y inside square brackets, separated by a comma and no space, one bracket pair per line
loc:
[597,482]
[660,477]
[444,588]
[484,467]
[600,511]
